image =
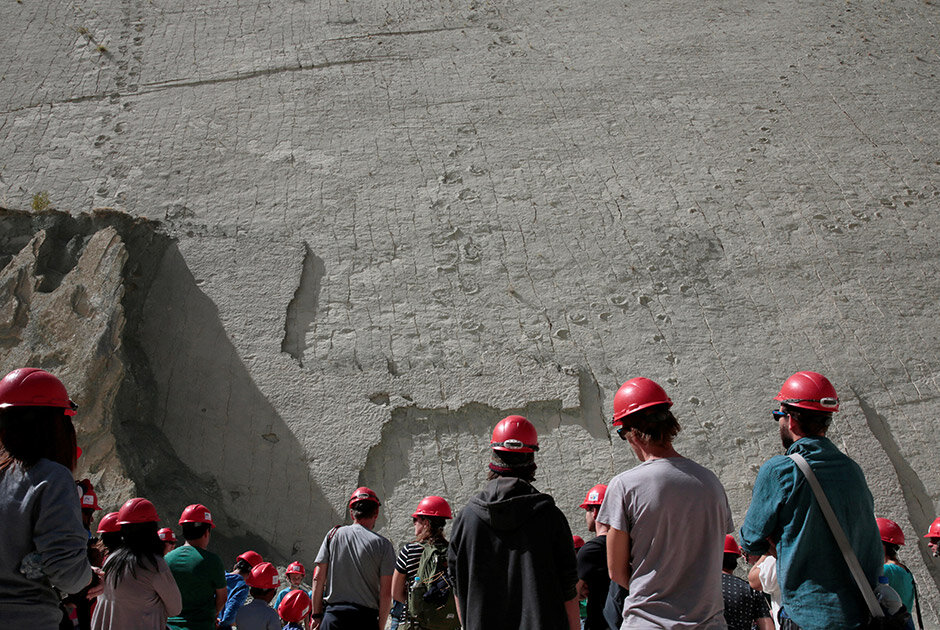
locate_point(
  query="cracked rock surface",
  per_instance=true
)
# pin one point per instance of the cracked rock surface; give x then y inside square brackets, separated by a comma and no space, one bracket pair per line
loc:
[303,246]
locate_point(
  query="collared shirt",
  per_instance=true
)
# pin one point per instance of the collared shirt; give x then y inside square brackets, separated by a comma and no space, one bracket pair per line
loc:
[818,590]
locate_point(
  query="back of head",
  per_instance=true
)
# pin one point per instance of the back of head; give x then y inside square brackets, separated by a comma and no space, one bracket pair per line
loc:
[654,425]
[810,399]
[364,503]
[194,531]
[140,547]
[512,464]
[35,419]
[810,421]
[32,433]
[514,443]
[363,510]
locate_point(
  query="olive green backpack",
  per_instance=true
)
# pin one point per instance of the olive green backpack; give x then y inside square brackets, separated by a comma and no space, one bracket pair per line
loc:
[431,603]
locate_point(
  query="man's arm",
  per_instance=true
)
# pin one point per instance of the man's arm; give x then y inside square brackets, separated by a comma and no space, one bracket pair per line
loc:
[618,556]
[385,598]
[761,520]
[753,575]
[230,609]
[572,609]
[765,623]
[221,594]
[316,604]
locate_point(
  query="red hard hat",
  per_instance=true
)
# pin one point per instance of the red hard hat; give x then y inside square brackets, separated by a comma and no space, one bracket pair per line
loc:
[109,524]
[364,494]
[433,506]
[264,575]
[196,513]
[166,535]
[890,531]
[294,607]
[809,390]
[295,568]
[32,387]
[636,394]
[515,434]
[578,542]
[934,530]
[731,545]
[595,496]
[137,511]
[251,557]
[90,500]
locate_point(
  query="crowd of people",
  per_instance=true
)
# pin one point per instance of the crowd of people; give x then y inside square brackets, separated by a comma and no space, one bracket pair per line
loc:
[663,554]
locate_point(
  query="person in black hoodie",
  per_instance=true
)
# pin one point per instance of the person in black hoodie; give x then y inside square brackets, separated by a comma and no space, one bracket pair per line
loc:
[511,558]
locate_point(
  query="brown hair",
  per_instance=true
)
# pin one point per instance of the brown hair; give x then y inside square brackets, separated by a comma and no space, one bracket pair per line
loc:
[364,509]
[435,532]
[27,434]
[654,425]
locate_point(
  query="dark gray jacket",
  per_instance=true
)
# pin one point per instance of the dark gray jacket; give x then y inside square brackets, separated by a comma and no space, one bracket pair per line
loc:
[512,559]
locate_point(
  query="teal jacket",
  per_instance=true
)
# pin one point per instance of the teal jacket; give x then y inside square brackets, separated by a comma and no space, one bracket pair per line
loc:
[817,589]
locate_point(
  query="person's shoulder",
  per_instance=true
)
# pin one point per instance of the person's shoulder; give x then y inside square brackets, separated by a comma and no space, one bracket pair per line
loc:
[210,557]
[48,472]
[776,465]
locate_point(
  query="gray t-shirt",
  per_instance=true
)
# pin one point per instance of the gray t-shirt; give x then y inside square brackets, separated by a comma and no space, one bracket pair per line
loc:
[357,558]
[677,515]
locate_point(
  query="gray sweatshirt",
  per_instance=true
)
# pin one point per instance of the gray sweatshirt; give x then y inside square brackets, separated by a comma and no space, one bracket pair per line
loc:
[40,513]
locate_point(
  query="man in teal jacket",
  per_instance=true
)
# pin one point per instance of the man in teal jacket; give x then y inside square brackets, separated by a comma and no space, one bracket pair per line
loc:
[818,591]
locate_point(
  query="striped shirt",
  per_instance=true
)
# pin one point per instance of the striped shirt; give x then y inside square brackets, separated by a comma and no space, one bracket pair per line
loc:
[408,558]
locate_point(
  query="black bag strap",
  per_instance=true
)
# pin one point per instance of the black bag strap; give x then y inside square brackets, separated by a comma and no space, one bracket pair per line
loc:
[920,620]
[839,534]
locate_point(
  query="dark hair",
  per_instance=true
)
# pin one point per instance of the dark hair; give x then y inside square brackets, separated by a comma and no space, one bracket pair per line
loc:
[512,464]
[195,531]
[111,541]
[730,562]
[654,424]
[891,550]
[364,509]
[140,547]
[435,532]
[242,566]
[260,593]
[811,422]
[31,433]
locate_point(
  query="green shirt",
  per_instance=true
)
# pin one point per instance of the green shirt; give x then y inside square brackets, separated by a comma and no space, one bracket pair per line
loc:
[901,580]
[198,573]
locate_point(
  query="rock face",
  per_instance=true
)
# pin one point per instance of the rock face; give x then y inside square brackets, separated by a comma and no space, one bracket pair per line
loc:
[356,235]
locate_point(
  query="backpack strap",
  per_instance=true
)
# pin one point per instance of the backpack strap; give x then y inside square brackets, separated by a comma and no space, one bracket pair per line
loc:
[868,594]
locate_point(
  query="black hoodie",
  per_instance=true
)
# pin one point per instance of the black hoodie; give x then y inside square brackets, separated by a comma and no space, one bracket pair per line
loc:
[512,559]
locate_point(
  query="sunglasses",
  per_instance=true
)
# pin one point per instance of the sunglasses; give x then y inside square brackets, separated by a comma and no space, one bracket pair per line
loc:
[779,415]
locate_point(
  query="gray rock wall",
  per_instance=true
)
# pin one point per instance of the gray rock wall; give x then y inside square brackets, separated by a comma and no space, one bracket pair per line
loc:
[379,227]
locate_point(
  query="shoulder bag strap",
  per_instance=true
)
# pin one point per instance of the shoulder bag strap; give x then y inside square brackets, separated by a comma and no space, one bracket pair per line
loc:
[920,620]
[854,567]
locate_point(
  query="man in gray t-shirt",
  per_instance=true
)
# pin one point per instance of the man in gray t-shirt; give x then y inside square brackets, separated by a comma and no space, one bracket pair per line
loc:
[668,518]
[354,571]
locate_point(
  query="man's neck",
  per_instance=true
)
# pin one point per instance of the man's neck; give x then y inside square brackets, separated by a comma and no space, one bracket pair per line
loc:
[368,523]
[650,451]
